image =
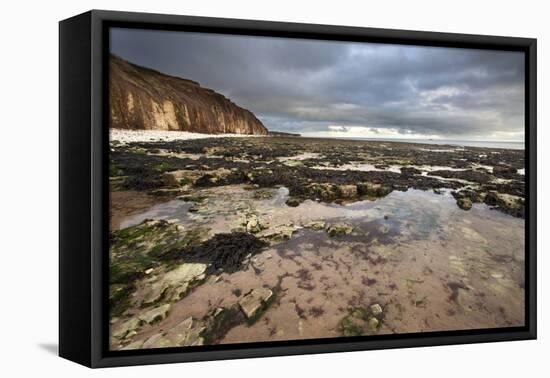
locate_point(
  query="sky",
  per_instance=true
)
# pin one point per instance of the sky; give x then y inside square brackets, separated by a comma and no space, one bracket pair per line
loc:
[345,89]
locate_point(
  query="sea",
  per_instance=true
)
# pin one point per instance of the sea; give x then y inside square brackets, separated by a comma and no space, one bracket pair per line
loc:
[514,145]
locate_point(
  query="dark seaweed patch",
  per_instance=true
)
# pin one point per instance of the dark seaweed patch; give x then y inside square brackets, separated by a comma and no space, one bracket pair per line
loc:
[227,252]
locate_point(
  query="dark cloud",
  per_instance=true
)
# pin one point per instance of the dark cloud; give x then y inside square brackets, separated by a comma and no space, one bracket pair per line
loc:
[319,86]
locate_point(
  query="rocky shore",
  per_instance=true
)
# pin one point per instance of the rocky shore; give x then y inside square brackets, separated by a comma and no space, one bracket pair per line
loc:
[276,238]
[327,170]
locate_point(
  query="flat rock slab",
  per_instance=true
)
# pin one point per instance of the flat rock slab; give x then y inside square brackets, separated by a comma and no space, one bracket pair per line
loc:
[252,302]
[156,341]
[279,233]
[156,314]
[127,327]
[186,333]
[133,345]
[175,283]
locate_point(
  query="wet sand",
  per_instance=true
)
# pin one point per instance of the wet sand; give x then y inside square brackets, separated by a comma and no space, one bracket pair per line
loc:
[125,204]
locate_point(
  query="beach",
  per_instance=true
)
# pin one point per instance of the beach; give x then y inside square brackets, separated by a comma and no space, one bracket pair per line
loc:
[218,239]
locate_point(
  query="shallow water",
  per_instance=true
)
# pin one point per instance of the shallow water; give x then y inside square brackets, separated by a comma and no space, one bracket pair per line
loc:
[172,210]
[414,212]
[429,264]
[300,157]
[425,169]
[514,145]
[360,167]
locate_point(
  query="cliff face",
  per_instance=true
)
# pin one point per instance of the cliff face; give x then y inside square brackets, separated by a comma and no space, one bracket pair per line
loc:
[144,99]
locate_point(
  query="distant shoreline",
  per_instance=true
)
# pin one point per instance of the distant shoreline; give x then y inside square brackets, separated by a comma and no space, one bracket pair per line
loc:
[515,145]
[128,136]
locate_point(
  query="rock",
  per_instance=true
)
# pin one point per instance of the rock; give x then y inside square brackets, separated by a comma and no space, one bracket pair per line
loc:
[347,191]
[174,179]
[257,175]
[280,233]
[373,324]
[174,284]
[252,224]
[398,161]
[339,229]
[169,180]
[219,321]
[500,199]
[133,345]
[212,150]
[124,330]
[508,203]
[148,244]
[472,195]
[316,225]
[293,202]
[155,315]
[218,177]
[359,321]
[157,341]
[186,333]
[410,171]
[174,104]
[464,203]
[498,169]
[130,334]
[373,189]
[254,301]
[323,191]
[263,194]
[376,309]
[354,323]
[400,187]
[194,209]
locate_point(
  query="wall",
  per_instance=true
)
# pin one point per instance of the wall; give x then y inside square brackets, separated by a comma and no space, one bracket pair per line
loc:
[29,185]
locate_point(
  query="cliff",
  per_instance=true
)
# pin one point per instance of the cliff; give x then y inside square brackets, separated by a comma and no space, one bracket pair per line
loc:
[144,99]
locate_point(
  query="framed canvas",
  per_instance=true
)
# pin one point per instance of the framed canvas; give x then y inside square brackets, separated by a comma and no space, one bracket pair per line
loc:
[234,188]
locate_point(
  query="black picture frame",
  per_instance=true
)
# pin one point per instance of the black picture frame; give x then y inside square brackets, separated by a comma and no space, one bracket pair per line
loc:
[83,181]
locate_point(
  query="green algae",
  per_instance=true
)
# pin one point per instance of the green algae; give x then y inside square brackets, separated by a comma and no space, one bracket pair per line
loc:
[136,249]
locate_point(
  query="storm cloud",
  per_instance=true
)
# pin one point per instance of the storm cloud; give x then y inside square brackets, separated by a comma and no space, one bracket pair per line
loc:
[346,89]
